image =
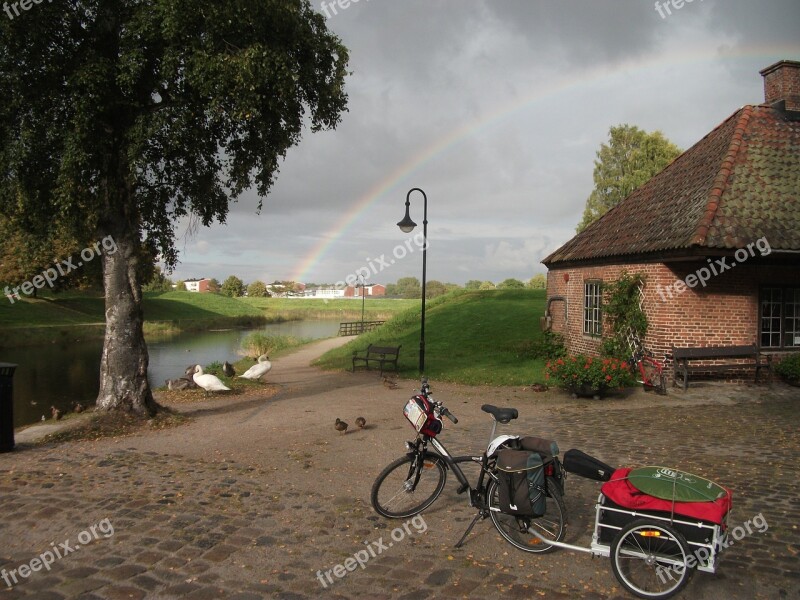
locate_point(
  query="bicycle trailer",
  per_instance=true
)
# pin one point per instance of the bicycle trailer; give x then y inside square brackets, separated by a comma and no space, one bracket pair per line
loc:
[695,507]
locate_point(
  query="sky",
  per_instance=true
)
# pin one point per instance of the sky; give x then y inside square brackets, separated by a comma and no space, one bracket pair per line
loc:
[495,109]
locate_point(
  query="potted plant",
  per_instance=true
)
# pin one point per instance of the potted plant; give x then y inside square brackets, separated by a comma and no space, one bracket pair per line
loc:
[588,376]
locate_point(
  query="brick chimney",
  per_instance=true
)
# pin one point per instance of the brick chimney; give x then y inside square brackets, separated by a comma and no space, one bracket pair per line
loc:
[782,85]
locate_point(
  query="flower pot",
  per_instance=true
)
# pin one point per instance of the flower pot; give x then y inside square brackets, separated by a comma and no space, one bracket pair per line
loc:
[586,390]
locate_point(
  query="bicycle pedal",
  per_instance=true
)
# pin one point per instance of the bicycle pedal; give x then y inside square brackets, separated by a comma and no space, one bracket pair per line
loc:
[464,487]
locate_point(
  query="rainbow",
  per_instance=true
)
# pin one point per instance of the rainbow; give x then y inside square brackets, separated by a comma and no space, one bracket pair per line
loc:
[463,132]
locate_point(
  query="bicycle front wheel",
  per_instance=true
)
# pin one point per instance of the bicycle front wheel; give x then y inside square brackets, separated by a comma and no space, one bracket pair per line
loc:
[408,486]
[653,378]
[517,530]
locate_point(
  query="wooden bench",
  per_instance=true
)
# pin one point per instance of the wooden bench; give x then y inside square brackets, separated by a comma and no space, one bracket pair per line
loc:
[682,356]
[381,355]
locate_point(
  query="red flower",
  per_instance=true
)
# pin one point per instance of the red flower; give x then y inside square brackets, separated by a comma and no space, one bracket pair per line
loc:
[608,377]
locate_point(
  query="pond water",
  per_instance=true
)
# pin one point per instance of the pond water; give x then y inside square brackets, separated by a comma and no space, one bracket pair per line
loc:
[65,372]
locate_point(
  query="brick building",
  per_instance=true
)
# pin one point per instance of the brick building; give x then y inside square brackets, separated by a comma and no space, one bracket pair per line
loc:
[716,234]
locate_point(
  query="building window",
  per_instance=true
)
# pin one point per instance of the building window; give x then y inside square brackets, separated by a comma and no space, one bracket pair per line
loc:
[592,304]
[780,317]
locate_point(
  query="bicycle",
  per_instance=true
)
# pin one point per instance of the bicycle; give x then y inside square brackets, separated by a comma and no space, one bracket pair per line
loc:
[413,482]
[647,370]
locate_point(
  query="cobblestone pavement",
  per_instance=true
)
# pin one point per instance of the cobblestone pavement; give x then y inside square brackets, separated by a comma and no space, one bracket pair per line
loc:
[258,499]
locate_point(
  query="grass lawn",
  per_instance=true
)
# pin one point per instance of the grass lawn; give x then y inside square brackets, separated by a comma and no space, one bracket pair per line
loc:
[471,337]
[346,309]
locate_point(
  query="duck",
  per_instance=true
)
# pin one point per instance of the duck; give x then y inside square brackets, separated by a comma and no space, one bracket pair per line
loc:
[210,383]
[539,387]
[361,422]
[77,407]
[340,426]
[388,383]
[179,384]
[57,414]
[257,371]
[228,369]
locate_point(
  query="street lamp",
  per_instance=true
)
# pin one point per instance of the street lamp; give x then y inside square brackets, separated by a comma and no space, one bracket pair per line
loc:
[363,300]
[407,226]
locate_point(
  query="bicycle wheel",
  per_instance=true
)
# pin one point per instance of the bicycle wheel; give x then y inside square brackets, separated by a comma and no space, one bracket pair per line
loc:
[652,378]
[402,490]
[517,530]
[649,559]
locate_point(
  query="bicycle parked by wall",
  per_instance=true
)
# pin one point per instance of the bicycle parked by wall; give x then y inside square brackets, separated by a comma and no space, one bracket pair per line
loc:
[644,366]
[413,482]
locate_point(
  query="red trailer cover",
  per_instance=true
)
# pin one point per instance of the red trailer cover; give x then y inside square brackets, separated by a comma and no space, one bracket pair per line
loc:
[621,491]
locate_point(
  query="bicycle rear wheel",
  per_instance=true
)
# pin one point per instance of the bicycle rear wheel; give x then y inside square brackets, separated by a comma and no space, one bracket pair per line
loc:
[517,530]
[403,489]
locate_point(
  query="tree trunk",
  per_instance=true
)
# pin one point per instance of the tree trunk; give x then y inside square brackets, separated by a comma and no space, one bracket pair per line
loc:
[123,367]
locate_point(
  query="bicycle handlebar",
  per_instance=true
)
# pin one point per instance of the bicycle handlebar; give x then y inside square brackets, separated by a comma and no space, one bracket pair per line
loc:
[425,390]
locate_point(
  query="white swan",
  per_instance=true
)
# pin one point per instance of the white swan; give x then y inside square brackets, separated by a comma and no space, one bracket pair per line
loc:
[210,383]
[257,371]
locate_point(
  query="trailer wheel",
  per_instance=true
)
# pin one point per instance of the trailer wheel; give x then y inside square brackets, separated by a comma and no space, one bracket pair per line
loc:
[650,559]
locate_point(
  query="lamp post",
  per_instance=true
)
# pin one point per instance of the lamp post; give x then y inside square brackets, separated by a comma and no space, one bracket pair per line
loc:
[407,226]
[363,300]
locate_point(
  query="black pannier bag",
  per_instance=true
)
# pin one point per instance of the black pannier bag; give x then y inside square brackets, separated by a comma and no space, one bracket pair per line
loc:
[587,466]
[521,483]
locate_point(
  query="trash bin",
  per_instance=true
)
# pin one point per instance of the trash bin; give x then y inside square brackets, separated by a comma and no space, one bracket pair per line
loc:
[7,407]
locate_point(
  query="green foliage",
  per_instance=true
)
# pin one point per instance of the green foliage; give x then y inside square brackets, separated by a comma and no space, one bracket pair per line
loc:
[257,343]
[591,373]
[434,288]
[789,368]
[408,287]
[487,285]
[550,346]
[629,160]
[621,310]
[158,283]
[473,284]
[510,284]
[257,289]
[537,282]
[233,287]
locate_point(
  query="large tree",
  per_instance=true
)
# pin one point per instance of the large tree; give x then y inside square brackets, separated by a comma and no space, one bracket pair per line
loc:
[631,157]
[120,117]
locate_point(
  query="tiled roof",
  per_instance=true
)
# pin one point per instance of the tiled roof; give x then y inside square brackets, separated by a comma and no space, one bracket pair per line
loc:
[739,183]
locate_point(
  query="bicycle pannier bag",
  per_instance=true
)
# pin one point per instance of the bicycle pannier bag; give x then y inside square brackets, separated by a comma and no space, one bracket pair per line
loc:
[540,445]
[521,483]
[587,466]
[419,413]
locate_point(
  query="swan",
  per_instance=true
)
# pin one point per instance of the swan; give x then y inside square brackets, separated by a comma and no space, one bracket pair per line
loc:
[257,371]
[210,383]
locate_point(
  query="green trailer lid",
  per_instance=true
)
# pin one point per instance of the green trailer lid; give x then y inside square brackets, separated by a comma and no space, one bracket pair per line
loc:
[671,484]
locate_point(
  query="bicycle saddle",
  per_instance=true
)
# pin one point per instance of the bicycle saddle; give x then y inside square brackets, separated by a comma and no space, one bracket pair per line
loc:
[503,415]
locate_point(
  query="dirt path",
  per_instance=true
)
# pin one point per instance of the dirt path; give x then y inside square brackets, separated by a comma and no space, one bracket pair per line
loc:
[259,494]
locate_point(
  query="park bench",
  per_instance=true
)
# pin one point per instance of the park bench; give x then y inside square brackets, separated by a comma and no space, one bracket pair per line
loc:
[380,355]
[745,357]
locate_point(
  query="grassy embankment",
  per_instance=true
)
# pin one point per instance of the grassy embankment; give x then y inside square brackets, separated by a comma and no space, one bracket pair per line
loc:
[470,337]
[74,315]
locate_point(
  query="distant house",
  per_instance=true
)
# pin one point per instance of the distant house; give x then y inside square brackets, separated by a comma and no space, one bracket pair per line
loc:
[716,234]
[369,290]
[198,285]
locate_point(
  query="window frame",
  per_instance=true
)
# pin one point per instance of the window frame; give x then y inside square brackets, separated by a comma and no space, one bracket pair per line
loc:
[789,295]
[593,308]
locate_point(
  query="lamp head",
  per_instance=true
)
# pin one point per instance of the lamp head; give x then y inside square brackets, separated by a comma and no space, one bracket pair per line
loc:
[406,225]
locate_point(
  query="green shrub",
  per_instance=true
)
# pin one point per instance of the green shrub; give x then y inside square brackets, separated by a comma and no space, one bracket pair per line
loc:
[789,368]
[551,347]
